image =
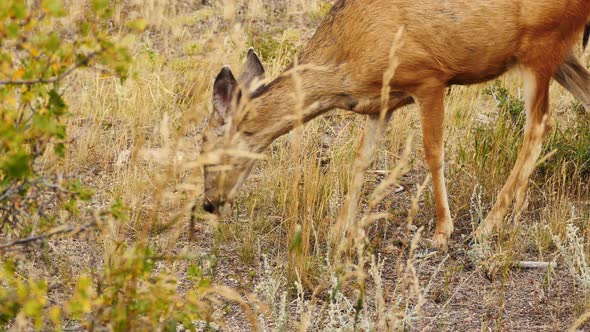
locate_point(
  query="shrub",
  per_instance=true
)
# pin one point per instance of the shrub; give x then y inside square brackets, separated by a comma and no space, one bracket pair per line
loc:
[36,55]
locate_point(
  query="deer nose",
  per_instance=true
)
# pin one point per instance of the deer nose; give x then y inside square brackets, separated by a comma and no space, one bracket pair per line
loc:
[209,206]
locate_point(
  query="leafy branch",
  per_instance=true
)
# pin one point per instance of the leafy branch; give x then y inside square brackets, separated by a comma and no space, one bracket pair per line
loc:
[81,63]
[35,58]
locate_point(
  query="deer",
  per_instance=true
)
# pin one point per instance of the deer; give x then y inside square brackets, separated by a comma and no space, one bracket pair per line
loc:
[445,43]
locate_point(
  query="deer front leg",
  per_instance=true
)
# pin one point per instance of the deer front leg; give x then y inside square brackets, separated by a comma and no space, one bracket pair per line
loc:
[432,119]
[374,129]
[536,92]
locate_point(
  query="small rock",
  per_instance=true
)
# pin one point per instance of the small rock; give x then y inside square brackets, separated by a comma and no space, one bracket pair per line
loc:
[123,158]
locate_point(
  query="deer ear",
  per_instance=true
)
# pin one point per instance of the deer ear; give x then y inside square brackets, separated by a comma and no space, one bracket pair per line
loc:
[253,70]
[224,90]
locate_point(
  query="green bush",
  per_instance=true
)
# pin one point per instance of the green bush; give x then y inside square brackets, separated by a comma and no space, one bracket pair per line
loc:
[35,58]
[128,292]
[497,142]
[271,48]
[571,147]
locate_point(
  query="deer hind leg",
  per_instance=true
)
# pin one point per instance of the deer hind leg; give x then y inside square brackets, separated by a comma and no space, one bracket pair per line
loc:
[575,78]
[539,122]
[432,118]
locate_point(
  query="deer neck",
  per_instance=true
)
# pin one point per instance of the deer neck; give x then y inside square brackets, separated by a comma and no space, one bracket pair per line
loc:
[294,98]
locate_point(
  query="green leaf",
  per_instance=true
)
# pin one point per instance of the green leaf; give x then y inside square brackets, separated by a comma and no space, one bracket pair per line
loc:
[81,301]
[99,5]
[119,210]
[32,308]
[54,7]
[18,166]
[55,315]
[296,241]
[72,206]
[204,284]
[19,10]
[84,193]
[12,29]
[194,271]
[41,121]
[53,43]
[60,149]
[84,28]
[8,269]
[56,103]
[138,25]
[60,131]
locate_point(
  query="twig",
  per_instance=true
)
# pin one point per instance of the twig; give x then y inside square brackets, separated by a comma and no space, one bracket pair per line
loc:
[57,78]
[74,329]
[9,190]
[58,230]
[580,322]
[534,265]
[379,172]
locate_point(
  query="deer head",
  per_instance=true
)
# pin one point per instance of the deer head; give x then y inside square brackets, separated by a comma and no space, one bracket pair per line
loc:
[223,142]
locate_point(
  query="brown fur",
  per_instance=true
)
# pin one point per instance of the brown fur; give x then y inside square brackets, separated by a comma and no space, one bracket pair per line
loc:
[444,43]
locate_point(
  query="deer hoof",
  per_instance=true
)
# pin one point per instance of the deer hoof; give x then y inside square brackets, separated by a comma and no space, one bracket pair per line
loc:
[439,241]
[480,234]
[485,230]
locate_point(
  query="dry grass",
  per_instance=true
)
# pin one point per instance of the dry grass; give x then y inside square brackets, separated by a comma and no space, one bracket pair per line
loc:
[139,141]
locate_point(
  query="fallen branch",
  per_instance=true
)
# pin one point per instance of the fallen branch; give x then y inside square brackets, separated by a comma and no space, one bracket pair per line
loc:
[534,265]
[58,230]
[580,322]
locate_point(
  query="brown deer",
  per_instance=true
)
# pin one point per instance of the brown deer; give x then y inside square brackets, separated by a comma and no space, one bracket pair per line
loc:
[444,43]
